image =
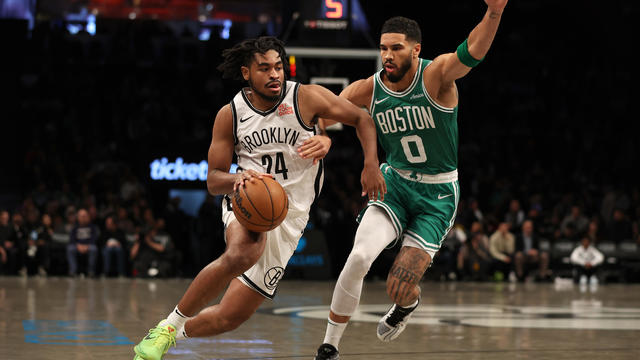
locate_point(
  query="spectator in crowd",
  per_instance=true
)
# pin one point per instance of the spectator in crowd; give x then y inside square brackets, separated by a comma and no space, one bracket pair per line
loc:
[534,214]
[594,231]
[586,260]
[529,255]
[114,247]
[4,237]
[471,214]
[70,220]
[38,251]
[131,187]
[515,215]
[569,233]
[125,223]
[148,220]
[502,248]
[478,227]
[93,214]
[8,248]
[474,260]
[135,214]
[446,258]
[153,254]
[83,242]
[30,227]
[18,239]
[620,227]
[5,228]
[575,218]
[3,259]
[32,222]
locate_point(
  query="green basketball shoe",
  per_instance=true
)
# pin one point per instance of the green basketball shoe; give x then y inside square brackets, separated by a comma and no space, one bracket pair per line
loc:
[156,343]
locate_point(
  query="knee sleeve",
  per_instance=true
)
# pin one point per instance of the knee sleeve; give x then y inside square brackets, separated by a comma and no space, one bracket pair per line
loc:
[374,233]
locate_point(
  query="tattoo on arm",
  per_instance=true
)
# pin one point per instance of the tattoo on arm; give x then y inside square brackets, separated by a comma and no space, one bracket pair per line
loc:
[494,15]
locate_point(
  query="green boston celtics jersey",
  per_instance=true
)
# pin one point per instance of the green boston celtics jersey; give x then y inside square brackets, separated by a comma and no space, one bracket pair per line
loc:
[416,133]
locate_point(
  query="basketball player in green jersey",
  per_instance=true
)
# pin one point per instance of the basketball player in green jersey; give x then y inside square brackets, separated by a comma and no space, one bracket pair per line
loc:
[414,104]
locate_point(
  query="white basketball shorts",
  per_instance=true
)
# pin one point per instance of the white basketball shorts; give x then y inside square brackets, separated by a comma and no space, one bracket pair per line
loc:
[282,242]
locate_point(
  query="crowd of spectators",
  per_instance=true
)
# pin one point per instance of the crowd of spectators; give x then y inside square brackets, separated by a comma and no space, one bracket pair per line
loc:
[88,112]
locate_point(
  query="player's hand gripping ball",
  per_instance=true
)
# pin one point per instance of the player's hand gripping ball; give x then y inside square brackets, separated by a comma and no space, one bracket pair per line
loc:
[261,204]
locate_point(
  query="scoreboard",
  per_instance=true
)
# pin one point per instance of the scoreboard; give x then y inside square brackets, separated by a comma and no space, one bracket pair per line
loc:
[322,23]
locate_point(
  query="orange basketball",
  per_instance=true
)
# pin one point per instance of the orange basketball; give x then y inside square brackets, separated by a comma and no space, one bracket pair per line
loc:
[261,205]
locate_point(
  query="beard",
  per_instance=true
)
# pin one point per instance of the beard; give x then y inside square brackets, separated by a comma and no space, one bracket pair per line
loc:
[401,70]
[263,95]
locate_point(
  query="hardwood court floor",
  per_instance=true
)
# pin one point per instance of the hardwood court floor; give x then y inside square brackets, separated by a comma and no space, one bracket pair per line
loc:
[62,318]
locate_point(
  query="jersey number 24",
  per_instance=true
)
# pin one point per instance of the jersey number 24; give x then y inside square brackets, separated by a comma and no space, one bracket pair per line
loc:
[281,166]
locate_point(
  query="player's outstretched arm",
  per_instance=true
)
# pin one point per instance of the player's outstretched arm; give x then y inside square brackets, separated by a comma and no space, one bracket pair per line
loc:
[320,102]
[359,93]
[472,50]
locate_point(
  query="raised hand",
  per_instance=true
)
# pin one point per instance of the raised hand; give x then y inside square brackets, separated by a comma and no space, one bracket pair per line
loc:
[496,5]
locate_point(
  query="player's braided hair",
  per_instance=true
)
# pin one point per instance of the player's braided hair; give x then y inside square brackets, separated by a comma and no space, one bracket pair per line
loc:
[242,54]
[403,25]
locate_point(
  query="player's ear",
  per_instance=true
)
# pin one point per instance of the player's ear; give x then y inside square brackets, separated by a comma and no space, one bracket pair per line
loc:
[416,50]
[245,72]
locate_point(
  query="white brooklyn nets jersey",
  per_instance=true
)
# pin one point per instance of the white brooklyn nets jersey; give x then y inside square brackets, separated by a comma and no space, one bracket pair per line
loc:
[267,141]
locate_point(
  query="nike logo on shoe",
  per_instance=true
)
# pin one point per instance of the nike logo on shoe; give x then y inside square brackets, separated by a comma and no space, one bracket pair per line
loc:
[245,119]
[440,197]
[381,100]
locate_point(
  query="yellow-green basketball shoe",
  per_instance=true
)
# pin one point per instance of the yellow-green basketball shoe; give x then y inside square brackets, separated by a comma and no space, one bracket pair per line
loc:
[156,343]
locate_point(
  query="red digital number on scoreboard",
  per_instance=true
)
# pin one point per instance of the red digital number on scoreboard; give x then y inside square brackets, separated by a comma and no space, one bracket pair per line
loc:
[334,9]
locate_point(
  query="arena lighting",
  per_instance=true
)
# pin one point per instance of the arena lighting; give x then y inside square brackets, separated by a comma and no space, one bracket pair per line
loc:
[83,20]
[162,169]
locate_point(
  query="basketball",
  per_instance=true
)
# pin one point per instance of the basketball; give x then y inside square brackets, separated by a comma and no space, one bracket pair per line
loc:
[260,205]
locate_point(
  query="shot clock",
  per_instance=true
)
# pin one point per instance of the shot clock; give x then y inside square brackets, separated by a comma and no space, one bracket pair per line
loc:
[321,23]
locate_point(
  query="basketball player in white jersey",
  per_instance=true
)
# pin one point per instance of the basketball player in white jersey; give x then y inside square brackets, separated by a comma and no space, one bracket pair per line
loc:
[270,126]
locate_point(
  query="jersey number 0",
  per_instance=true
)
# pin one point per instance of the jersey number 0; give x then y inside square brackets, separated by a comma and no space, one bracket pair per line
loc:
[411,157]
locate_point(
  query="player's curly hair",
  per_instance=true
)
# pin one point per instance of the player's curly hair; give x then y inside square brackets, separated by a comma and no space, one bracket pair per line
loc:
[403,25]
[242,54]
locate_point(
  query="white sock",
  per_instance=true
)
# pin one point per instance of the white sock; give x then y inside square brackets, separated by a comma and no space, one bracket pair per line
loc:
[176,319]
[414,304]
[182,334]
[334,333]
